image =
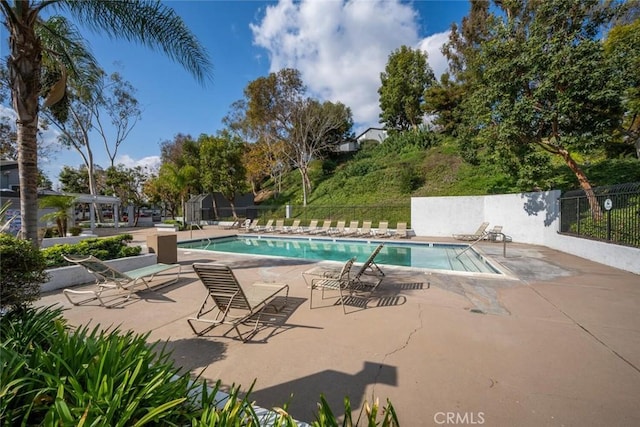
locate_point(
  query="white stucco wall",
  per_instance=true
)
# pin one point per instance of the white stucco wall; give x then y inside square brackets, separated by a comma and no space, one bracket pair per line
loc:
[531,218]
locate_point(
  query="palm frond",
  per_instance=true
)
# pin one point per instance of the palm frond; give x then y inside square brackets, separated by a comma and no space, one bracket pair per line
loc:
[148,22]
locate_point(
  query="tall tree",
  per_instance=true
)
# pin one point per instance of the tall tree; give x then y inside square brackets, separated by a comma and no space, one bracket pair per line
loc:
[544,84]
[117,99]
[222,167]
[406,77]
[149,22]
[622,46]
[316,128]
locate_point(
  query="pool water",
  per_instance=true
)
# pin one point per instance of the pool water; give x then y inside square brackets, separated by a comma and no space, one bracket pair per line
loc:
[420,255]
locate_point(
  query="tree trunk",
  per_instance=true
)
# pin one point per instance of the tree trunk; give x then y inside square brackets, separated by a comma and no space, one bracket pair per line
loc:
[24,66]
[596,211]
[304,187]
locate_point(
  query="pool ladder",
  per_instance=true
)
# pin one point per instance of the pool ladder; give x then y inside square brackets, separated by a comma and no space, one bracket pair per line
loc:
[486,234]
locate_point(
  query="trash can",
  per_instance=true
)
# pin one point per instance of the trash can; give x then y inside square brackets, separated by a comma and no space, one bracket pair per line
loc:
[165,246]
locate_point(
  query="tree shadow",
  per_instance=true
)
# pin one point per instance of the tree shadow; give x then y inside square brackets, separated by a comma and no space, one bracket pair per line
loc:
[542,203]
[194,354]
[302,394]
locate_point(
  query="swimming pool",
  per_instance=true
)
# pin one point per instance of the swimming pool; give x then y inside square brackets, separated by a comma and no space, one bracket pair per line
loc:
[434,256]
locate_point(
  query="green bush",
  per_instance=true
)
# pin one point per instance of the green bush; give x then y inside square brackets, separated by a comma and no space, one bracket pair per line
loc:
[102,248]
[21,272]
[179,224]
[53,375]
[75,231]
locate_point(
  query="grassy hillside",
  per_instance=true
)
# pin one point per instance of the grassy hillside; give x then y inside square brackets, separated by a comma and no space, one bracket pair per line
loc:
[390,174]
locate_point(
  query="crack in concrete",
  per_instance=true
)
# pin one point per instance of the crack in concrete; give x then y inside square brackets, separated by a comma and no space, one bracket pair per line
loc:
[398,349]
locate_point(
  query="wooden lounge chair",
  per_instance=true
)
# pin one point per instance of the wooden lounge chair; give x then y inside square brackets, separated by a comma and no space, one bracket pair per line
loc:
[233,303]
[479,234]
[107,277]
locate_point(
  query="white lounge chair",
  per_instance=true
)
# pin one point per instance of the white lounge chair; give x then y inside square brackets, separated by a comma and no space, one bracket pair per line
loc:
[107,277]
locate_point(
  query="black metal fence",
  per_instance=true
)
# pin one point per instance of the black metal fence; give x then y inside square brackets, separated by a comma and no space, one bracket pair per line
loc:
[375,213]
[612,214]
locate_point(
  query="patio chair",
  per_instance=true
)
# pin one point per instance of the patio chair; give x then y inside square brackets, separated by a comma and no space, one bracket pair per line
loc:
[479,234]
[251,225]
[312,227]
[365,230]
[267,227]
[352,229]
[496,234]
[326,226]
[294,228]
[370,268]
[339,282]
[279,228]
[383,229]
[401,231]
[339,228]
[108,277]
[233,303]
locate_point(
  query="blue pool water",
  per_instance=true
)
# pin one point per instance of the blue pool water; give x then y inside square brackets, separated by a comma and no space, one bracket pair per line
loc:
[420,255]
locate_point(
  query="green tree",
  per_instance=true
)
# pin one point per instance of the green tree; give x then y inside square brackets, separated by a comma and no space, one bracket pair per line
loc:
[622,46]
[544,84]
[128,185]
[222,167]
[406,77]
[178,182]
[149,22]
[316,128]
[74,180]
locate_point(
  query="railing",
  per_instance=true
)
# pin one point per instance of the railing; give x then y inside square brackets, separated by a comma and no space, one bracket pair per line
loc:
[617,220]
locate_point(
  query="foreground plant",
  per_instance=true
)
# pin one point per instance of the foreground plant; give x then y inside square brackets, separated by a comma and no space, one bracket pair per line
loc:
[53,374]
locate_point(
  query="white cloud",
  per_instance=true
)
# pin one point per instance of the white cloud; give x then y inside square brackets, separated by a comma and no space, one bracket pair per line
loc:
[432,45]
[149,163]
[341,47]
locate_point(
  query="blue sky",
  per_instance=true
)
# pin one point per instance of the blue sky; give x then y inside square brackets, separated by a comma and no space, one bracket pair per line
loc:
[340,48]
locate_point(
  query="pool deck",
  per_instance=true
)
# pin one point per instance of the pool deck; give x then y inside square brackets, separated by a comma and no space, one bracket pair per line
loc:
[557,343]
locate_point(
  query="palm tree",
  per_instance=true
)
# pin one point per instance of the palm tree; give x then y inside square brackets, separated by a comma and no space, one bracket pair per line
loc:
[62,205]
[148,22]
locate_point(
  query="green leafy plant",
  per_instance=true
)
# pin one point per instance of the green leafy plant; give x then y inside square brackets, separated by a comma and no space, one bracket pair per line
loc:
[55,375]
[62,206]
[103,248]
[22,271]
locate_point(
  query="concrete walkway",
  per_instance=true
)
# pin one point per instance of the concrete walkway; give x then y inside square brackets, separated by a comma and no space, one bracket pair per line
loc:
[556,344]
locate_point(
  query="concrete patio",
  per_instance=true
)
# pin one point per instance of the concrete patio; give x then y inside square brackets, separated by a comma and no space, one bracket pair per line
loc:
[556,343]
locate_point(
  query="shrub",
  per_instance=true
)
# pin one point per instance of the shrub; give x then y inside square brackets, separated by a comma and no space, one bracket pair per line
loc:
[175,222]
[53,375]
[103,248]
[22,271]
[75,231]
